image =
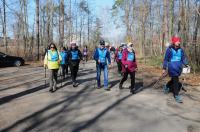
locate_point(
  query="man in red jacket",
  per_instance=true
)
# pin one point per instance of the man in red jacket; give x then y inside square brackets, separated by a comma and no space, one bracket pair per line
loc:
[129,66]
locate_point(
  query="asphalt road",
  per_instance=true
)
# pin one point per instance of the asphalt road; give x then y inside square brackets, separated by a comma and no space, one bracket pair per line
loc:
[26,105]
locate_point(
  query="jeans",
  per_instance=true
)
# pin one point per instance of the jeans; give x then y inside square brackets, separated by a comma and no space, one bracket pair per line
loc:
[105,69]
[63,70]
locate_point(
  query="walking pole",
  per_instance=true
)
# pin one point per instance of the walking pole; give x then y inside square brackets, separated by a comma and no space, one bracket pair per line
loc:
[45,75]
[61,77]
[160,78]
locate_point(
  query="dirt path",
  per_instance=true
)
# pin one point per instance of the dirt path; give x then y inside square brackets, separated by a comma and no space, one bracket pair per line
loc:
[26,104]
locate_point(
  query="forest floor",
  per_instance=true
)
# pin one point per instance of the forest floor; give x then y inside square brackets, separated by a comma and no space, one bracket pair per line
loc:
[26,104]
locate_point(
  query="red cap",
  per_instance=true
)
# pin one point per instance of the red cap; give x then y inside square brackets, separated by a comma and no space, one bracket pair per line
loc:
[175,39]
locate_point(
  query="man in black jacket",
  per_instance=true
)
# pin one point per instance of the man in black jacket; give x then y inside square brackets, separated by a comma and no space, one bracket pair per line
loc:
[74,58]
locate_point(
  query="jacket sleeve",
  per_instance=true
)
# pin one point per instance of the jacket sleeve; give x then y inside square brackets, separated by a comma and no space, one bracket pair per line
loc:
[108,57]
[166,58]
[135,60]
[95,55]
[124,57]
[68,55]
[184,59]
[80,55]
[59,56]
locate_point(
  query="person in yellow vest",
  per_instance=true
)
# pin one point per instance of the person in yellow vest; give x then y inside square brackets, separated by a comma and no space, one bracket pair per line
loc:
[52,61]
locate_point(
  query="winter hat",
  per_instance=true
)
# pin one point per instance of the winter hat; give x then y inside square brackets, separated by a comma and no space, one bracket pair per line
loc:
[102,42]
[175,40]
[130,44]
[73,43]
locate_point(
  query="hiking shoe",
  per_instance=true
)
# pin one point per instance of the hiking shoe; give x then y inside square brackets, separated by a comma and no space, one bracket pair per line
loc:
[178,99]
[107,89]
[75,84]
[98,87]
[54,88]
[132,91]
[51,90]
[165,89]
[120,86]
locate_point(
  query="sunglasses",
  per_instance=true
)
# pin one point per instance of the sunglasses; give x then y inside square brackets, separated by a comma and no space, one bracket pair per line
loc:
[51,47]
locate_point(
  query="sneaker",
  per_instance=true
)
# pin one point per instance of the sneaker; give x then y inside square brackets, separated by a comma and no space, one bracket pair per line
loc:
[98,87]
[54,88]
[51,90]
[107,89]
[74,84]
[120,86]
[165,89]
[132,91]
[178,99]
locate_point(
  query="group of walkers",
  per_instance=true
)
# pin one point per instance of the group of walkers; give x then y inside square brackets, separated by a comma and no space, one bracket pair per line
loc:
[63,59]
[105,56]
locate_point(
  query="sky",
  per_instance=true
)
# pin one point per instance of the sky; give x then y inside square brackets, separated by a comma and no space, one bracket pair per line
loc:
[109,30]
[101,9]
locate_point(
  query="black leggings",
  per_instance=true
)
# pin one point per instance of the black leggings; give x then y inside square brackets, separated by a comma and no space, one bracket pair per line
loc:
[74,71]
[119,65]
[125,77]
[174,85]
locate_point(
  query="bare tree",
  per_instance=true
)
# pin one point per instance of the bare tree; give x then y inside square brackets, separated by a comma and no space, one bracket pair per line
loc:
[37,30]
[4,26]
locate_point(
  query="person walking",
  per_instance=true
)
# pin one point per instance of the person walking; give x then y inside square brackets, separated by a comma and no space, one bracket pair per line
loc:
[52,61]
[85,53]
[74,58]
[102,58]
[63,64]
[118,58]
[129,66]
[173,64]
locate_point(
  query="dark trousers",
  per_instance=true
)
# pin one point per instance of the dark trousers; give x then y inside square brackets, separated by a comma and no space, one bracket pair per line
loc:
[67,65]
[119,66]
[74,70]
[174,85]
[63,70]
[53,78]
[85,58]
[125,77]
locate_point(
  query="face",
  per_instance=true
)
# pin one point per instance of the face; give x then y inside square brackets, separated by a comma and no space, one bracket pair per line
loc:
[102,46]
[130,46]
[52,47]
[177,44]
[73,46]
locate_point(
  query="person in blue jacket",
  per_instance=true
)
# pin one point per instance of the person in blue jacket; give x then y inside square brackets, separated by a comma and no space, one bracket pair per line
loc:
[173,62]
[74,57]
[102,57]
[63,54]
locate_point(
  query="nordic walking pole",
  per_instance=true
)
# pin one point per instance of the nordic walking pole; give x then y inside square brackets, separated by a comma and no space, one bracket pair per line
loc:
[45,75]
[161,78]
[61,77]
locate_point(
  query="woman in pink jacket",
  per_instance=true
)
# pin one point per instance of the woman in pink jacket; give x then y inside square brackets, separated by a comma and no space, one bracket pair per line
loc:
[129,66]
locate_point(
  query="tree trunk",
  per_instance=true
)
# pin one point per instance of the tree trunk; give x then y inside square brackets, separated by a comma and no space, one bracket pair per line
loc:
[37,30]
[62,11]
[4,26]
[171,27]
